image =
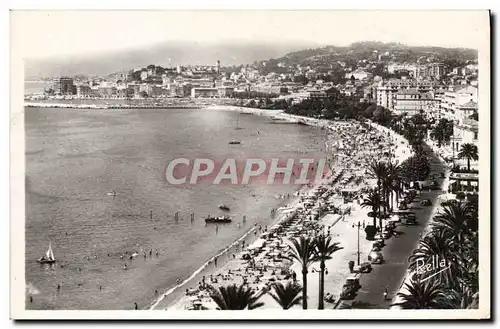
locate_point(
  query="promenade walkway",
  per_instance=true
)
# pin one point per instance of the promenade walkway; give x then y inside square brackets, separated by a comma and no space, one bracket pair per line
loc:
[392,272]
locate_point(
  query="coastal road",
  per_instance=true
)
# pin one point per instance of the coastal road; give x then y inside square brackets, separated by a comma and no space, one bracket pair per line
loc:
[398,248]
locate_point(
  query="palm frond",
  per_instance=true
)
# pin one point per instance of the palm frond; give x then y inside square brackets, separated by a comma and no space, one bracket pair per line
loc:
[286,296]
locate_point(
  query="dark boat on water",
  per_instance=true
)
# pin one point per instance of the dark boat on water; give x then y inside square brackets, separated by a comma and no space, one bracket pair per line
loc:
[234,142]
[224,207]
[220,219]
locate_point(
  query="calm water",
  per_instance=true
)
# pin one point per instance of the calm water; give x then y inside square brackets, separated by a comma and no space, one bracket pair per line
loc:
[75,157]
[32,87]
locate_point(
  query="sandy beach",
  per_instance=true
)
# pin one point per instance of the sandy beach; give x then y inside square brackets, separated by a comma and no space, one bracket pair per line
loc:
[332,208]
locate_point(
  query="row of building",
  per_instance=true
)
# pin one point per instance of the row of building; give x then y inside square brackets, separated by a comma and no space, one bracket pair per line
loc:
[179,86]
[419,71]
[410,96]
[456,103]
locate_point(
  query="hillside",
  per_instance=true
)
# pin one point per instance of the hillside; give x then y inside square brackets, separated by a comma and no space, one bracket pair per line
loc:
[366,50]
[167,54]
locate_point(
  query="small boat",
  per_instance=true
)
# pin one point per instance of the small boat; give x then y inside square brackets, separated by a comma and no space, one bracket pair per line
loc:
[224,207]
[220,219]
[111,193]
[48,258]
[234,142]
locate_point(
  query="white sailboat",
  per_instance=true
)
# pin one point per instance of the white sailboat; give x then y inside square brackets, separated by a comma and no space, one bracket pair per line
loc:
[48,258]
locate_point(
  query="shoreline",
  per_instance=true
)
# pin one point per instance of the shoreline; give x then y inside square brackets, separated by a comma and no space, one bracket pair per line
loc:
[165,302]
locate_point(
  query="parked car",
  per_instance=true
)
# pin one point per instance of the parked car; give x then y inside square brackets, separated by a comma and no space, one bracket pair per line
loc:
[348,292]
[376,257]
[390,226]
[386,234]
[409,219]
[350,288]
[412,192]
[426,202]
[403,206]
[377,246]
[352,281]
[365,267]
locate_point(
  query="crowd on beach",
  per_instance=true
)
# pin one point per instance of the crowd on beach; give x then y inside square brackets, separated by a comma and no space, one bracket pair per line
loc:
[351,147]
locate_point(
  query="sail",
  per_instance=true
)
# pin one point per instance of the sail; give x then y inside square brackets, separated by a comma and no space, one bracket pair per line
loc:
[50,253]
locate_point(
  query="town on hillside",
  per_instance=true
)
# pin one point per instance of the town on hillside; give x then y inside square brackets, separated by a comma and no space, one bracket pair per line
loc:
[370,78]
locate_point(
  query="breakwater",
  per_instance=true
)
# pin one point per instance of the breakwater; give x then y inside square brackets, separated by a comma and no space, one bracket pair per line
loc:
[112,106]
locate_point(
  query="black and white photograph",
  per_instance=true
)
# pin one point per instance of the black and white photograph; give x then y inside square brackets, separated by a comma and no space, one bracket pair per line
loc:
[286,164]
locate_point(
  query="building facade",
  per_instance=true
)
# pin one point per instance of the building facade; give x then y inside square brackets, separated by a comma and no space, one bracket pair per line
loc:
[358,75]
[457,96]
[411,102]
[386,90]
[465,132]
[83,91]
[204,92]
[225,92]
[64,86]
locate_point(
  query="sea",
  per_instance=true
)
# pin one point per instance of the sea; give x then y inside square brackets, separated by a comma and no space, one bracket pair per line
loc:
[35,87]
[75,158]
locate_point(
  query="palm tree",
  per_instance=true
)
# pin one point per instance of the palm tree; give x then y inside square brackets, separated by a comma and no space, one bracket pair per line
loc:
[437,245]
[469,264]
[392,176]
[468,151]
[454,219]
[303,251]
[375,202]
[378,170]
[423,295]
[324,248]
[287,296]
[235,297]
[462,297]
[442,132]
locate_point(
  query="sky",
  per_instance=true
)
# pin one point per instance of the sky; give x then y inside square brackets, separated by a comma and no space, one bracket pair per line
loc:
[45,34]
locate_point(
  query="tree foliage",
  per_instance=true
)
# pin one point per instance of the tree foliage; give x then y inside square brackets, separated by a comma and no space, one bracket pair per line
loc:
[416,168]
[234,297]
[442,132]
[470,152]
[287,295]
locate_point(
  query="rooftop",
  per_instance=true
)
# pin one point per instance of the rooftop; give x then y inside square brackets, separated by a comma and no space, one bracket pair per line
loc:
[469,105]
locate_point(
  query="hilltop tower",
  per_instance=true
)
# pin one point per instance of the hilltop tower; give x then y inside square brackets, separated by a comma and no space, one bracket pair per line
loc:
[218,66]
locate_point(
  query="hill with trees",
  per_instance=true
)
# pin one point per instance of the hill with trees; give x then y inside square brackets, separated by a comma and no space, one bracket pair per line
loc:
[331,57]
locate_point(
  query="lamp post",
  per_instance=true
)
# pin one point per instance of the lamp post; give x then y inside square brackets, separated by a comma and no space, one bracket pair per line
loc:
[313,270]
[358,226]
